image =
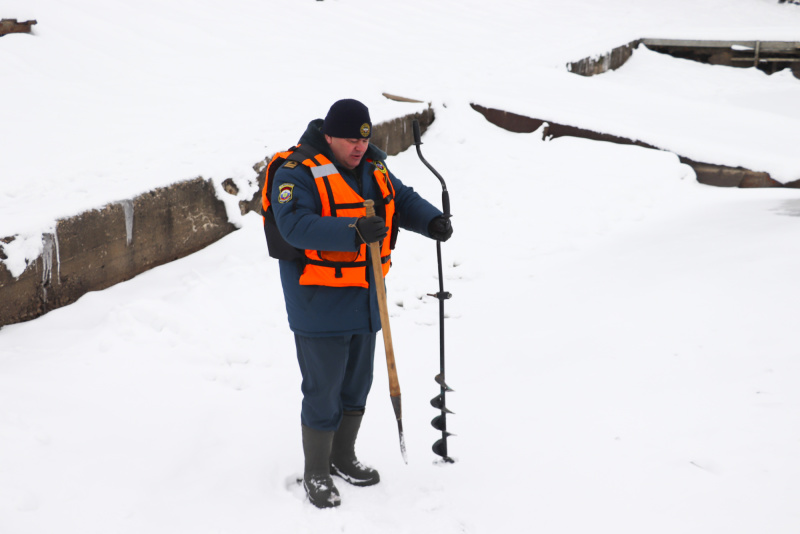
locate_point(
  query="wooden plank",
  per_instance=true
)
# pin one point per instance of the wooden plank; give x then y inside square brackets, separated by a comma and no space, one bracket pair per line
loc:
[397,98]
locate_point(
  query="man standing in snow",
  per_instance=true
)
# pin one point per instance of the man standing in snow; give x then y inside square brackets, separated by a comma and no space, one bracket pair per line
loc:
[317,199]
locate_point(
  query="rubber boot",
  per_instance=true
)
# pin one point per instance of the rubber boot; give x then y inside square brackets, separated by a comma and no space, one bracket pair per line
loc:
[344,463]
[317,479]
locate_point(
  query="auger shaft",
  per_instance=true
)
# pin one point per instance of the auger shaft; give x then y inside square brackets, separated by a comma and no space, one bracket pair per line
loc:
[440,421]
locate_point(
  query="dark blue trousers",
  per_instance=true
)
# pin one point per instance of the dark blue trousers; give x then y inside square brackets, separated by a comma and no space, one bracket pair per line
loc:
[337,377]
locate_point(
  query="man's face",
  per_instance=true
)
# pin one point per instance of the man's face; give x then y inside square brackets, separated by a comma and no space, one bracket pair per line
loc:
[348,152]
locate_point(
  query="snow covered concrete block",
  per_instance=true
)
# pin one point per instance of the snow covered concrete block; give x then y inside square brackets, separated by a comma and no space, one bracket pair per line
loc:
[601,63]
[758,179]
[768,56]
[20,298]
[513,122]
[723,176]
[12,26]
[396,135]
[707,173]
[103,247]
[100,248]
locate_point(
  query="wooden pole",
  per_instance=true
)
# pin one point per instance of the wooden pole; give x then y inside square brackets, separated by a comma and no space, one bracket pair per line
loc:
[380,290]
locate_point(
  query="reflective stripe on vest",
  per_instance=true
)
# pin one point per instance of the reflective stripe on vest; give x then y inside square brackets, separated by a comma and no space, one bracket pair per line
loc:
[339,268]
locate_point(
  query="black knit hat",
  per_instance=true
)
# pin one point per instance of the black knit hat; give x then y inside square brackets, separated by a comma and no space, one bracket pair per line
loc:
[348,119]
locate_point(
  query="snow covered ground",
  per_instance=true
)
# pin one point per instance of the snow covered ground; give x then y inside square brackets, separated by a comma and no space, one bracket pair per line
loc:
[621,338]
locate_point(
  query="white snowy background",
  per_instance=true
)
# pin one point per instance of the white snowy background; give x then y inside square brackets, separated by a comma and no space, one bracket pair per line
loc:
[622,340]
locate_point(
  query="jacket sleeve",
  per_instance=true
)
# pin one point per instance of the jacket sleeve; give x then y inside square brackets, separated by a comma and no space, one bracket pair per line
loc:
[413,212]
[298,217]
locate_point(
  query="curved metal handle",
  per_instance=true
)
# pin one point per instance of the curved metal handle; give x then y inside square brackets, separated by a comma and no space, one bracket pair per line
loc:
[445,194]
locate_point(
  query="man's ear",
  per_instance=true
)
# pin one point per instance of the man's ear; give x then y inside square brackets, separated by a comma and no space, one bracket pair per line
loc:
[328,138]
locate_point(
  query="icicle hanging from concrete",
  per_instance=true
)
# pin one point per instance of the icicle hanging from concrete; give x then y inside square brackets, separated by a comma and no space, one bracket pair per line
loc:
[50,249]
[127,206]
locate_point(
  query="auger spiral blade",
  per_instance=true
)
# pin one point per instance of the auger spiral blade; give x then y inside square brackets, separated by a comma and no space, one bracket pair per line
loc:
[440,423]
[440,448]
[438,403]
[440,380]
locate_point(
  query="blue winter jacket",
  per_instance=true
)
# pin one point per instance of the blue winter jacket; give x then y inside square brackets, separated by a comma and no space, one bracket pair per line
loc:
[317,311]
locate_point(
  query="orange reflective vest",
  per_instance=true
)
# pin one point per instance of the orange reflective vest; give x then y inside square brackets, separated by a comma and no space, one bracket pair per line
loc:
[342,268]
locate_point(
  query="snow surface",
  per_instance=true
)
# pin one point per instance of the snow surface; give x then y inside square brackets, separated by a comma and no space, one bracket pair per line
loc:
[621,338]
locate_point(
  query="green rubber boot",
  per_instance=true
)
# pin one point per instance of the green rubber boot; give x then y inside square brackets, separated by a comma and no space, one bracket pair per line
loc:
[317,479]
[344,463]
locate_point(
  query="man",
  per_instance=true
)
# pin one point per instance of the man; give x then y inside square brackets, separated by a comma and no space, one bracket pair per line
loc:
[317,200]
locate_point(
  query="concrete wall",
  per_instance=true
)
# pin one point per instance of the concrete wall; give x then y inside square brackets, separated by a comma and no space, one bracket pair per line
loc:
[99,248]
[599,64]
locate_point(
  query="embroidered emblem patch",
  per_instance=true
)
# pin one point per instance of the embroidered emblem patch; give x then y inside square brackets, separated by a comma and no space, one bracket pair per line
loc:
[365,130]
[379,165]
[290,164]
[285,193]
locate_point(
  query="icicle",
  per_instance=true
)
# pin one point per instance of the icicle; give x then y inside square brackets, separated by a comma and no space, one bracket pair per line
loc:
[127,206]
[58,255]
[47,261]
[50,246]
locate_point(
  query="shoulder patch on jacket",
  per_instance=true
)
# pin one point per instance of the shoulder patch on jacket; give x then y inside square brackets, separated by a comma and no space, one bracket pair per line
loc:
[379,165]
[285,193]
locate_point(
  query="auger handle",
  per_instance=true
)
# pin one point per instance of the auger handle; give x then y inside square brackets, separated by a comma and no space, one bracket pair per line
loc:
[417,143]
